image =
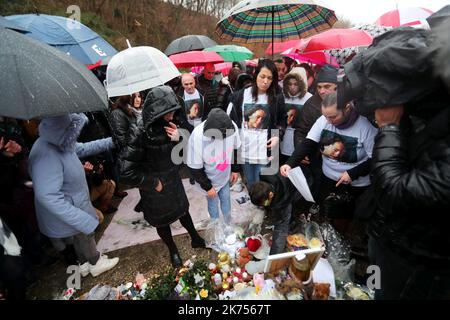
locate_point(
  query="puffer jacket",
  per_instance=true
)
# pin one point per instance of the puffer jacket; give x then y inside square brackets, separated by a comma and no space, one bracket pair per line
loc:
[126,132]
[411,181]
[150,162]
[63,205]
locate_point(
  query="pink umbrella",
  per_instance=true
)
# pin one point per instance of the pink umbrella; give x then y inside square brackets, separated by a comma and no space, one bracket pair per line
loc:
[224,67]
[316,57]
[281,46]
[404,17]
[195,58]
[337,39]
[251,63]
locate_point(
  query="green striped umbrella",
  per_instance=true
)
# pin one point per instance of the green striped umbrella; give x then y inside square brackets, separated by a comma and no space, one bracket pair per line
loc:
[252,21]
[231,52]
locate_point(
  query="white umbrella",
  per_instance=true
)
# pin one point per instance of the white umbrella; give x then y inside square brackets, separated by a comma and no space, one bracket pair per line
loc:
[136,69]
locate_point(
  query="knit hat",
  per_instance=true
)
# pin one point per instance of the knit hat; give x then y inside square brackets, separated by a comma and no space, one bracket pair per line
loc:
[327,74]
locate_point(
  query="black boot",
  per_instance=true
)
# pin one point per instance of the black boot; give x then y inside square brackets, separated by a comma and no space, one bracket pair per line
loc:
[198,242]
[175,260]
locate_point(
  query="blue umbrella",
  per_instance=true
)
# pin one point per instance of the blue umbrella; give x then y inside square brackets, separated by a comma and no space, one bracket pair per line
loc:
[67,35]
[4,23]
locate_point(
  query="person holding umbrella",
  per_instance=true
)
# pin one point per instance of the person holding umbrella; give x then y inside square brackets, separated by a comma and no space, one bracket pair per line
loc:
[63,207]
[149,167]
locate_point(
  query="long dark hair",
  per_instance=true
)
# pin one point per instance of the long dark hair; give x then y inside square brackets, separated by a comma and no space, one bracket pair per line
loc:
[124,103]
[272,91]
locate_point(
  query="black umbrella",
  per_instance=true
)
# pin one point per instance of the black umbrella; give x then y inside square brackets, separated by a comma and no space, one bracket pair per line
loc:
[189,43]
[439,16]
[5,23]
[37,80]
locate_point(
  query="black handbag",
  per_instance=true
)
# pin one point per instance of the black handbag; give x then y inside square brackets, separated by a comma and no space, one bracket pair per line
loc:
[339,205]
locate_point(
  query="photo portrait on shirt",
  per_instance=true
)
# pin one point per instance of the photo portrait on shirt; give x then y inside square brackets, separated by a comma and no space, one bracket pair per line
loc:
[338,147]
[256,116]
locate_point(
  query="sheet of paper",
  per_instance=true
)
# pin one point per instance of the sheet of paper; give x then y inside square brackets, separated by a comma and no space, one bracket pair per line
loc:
[298,179]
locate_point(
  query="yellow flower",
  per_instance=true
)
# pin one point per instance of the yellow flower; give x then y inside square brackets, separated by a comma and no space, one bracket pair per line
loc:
[203,293]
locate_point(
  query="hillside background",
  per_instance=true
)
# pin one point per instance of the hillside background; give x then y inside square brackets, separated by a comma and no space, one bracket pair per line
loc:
[144,22]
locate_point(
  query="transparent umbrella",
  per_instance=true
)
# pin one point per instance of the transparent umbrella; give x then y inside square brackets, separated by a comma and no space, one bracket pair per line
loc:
[136,69]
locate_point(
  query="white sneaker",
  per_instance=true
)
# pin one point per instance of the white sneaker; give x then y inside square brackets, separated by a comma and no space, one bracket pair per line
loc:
[103,264]
[85,268]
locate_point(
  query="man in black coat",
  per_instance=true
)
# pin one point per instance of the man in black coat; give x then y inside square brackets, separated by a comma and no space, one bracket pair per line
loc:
[408,225]
[277,194]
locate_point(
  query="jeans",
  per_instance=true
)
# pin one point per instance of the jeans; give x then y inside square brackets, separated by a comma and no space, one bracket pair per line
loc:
[401,279]
[251,172]
[225,204]
[85,247]
[281,229]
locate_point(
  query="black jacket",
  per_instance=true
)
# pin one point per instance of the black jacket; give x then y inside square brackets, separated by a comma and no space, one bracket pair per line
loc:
[283,190]
[311,111]
[151,162]
[223,96]
[126,132]
[411,181]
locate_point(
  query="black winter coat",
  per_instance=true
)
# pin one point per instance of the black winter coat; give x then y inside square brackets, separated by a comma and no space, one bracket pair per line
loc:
[311,111]
[150,162]
[126,133]
[411,181]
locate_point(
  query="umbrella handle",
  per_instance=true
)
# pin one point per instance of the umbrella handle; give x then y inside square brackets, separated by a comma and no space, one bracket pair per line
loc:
[128,43]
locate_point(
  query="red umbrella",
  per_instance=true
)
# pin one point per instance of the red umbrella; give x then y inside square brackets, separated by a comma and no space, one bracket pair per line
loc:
[316,57]
[338,39]
[195,58]
[404,17]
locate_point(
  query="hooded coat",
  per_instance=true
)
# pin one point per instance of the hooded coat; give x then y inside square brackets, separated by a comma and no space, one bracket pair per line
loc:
[63,205]
[299,74]
[150,162]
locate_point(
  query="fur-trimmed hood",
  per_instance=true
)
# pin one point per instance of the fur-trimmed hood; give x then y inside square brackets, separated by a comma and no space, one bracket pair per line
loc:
[62,131]
[298,74]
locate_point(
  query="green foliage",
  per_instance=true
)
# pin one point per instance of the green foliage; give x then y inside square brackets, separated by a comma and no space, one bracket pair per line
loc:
[161,287]
[199,268]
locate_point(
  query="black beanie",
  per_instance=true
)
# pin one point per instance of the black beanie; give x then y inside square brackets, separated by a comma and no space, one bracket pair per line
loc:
[327,74]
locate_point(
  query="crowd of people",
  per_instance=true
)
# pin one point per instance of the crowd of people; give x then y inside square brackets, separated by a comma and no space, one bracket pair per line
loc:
[281,113]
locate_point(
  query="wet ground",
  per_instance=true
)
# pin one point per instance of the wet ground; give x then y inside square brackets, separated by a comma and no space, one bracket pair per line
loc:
[149,259]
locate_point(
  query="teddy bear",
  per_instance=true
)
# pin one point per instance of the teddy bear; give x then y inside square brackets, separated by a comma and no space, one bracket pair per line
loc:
[243,257]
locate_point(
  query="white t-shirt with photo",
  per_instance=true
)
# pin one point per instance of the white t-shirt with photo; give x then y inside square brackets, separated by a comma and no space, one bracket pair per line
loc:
[344,149]
[190,98]
[287,144]
[214,155]
[254,134]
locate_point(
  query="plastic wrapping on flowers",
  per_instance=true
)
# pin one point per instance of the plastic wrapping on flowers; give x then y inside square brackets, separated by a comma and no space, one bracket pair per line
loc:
[337,253]
[229,238]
